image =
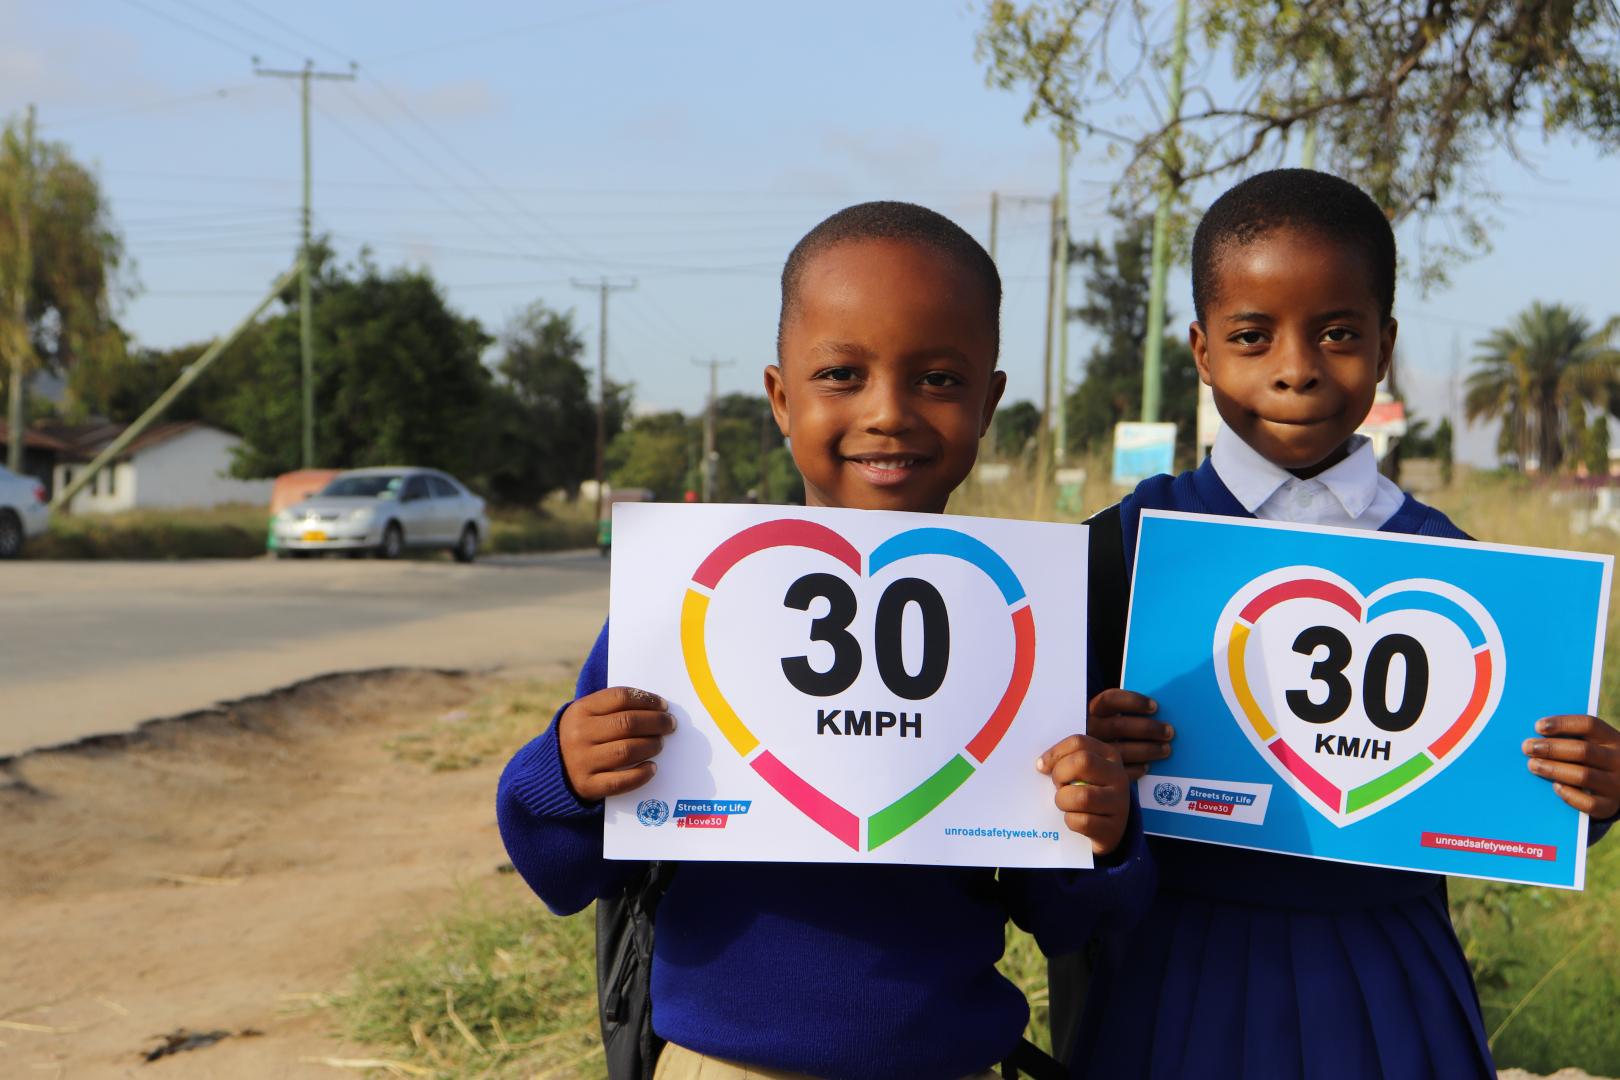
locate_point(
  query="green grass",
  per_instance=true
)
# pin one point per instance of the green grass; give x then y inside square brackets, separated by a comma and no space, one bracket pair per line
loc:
[558,526]
[239,532]
[228,532]
[496,988]
[488,730]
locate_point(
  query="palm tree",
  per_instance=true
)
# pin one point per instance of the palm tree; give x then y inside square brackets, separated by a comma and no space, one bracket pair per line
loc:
[1539,376]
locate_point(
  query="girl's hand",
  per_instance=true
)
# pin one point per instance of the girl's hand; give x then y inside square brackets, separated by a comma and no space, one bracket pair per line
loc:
[1581,757]
[1092,789]
[1124,718]
[608,740]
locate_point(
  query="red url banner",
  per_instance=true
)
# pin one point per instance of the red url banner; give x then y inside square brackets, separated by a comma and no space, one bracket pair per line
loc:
[1516,848]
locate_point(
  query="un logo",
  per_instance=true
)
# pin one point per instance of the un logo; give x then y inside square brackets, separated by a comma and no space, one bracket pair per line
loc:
[1167,794]
[652,811]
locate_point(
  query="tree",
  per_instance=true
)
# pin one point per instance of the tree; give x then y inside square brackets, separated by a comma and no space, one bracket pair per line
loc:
[59,263]
[658,451]
[542,427]
[1016,424]
[398,379]
[129,388]
[1539,377]
[1116,306]
[664,451]
[1406,97]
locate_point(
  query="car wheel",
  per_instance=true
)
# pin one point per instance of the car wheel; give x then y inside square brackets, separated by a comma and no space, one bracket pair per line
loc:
[393,542]
[466,549]
[11,535]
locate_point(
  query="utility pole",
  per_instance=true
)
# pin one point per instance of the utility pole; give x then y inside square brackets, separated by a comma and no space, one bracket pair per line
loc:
[710,455]
[1153,347]
[603,287]
[22,198]
[1307,152]
[193,371]
[306,317]
[996,200]
[1061,256]
[765,420]
[1043,436]
[995,214]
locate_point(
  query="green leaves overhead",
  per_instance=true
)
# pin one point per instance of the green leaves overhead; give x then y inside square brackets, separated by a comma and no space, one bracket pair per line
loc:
[1407,96]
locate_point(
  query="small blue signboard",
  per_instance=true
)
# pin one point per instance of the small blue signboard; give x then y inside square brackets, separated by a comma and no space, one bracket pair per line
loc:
[1363,697]
[1142,450]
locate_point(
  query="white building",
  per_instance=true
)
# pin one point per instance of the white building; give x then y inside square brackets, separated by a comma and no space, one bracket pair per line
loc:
[171,465]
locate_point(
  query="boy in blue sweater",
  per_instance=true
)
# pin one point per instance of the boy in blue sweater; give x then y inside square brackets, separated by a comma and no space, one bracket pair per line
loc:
[1252,963]
[885,382]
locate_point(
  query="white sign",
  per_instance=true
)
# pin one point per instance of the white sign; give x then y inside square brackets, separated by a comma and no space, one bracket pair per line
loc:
[849,685]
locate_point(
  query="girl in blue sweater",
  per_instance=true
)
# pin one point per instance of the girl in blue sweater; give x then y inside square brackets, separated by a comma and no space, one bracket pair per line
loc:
[885,383]
[1340,971]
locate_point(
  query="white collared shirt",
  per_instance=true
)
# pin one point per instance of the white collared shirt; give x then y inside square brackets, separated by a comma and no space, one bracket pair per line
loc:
[1352,494]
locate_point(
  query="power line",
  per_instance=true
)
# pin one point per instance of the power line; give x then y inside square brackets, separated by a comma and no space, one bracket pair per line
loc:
[433,163]
[465,163]
[512,32]
[209,34]
[293,30]
[385,159]
[246,31]
[151,106]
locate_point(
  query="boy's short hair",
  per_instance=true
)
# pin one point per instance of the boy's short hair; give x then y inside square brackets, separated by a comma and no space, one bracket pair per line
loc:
[902,221]
[1302,199]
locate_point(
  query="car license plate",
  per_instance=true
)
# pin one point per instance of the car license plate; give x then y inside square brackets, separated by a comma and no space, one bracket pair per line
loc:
[313,536]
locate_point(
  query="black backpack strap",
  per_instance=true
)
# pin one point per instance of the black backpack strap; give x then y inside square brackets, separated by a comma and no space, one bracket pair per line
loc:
[1107,593]
[1030,1060]
[624,949]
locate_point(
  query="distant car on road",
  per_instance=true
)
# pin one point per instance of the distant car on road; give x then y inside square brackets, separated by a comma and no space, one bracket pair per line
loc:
[385,511]
[23,512]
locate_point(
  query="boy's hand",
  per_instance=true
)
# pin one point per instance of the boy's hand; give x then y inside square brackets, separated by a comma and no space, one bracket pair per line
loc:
[1123,718]
[1582,759]
[608,740]
[1092,789]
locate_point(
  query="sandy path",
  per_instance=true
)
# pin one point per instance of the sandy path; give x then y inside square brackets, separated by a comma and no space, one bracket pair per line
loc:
[205,873]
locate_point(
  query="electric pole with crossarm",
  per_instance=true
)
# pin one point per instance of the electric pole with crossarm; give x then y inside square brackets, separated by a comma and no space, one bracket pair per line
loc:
[306,321]
[604,287]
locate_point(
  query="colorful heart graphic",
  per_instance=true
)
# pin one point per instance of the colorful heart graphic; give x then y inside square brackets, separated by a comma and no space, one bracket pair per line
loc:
[1271,673]
[911,807]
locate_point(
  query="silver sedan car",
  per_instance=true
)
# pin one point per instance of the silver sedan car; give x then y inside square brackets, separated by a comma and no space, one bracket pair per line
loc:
[384,511]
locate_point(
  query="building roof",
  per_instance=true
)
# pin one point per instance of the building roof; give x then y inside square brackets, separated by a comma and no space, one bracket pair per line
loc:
[37,440]
[82,442]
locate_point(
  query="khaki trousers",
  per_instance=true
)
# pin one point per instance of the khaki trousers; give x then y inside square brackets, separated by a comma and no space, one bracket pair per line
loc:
[679,1063]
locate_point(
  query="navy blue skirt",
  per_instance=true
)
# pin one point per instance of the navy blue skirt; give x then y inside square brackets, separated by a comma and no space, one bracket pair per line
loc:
[1257,965]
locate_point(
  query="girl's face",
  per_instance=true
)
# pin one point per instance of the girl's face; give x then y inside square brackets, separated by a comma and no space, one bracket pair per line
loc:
[1293,346]
[887,378]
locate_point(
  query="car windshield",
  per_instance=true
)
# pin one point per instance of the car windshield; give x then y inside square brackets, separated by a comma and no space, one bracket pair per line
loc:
[372,486]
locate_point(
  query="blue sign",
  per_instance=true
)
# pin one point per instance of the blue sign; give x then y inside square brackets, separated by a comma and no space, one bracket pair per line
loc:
[1142,450]
[1362,696]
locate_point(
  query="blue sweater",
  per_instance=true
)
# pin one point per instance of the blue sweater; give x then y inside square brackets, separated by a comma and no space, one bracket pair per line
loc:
[1257,964]
[833,970]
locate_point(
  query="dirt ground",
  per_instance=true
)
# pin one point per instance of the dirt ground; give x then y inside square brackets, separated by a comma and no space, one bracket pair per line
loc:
[213,872]
[217,872]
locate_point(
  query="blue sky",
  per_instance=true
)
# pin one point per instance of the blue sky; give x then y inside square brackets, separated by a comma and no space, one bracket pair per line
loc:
[685,144]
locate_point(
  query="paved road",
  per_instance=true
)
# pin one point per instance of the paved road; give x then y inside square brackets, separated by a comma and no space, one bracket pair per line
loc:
[94,647]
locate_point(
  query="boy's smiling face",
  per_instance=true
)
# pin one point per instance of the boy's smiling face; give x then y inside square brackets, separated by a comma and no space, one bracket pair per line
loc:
[1293,345]
[887,377]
